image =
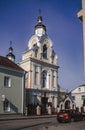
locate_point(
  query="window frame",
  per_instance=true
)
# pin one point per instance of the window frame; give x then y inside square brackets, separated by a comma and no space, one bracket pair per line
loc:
[44,79]
[7,81]
[36,76]
[45,51]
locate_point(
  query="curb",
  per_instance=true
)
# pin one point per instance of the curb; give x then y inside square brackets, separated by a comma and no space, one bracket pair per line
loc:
[26,117]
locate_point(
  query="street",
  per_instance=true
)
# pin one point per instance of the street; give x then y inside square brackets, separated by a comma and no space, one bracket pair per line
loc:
[40,124]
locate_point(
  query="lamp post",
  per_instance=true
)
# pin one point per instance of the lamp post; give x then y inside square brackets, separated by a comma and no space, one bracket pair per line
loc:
[2,97]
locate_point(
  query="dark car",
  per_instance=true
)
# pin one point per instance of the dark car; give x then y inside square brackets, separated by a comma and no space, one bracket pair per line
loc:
[69,116]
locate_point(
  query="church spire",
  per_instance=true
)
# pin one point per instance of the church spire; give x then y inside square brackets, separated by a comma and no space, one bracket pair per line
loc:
[39,17]
[10,55]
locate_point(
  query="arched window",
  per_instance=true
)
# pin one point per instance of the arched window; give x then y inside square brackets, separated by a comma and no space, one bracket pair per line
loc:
[67,104]
[35,49]
[36,53]
[53,79]
[53,59]
[44,51]
[34,45]
[44,78]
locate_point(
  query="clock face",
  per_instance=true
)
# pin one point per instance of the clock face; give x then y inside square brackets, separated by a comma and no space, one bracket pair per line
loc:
[39,32]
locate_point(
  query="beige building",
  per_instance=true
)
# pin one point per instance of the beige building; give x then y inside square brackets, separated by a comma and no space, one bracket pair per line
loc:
[40,62]
[81,16]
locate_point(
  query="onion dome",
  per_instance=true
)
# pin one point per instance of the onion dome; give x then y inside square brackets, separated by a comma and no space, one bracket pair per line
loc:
[10,55]
[40,25]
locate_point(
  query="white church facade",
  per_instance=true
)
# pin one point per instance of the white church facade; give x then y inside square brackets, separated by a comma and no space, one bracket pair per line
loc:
[40,63]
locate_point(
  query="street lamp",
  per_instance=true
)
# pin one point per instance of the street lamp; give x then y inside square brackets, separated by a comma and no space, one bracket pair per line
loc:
[3,98]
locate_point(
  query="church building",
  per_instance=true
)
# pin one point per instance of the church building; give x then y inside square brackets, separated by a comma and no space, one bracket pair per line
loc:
[39,60]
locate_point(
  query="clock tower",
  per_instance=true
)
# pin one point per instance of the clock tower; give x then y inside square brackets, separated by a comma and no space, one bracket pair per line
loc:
[40,63]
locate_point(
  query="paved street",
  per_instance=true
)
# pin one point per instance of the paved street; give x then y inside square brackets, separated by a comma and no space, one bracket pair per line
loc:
[40,124]
[26,123]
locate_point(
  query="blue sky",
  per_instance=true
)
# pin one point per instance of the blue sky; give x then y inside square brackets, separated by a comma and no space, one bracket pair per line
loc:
[17,21]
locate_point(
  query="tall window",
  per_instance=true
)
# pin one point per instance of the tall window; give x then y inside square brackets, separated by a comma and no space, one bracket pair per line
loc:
[35,49]
[36,53]
[7,81]
[53,59]
[44,51]
[44,78]
[53,79]
[36,75]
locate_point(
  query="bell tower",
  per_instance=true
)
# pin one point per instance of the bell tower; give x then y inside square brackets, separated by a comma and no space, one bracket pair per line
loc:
[40,63]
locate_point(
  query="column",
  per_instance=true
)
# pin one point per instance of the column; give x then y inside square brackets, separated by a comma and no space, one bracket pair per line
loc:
[57,80]
[51,75]
[32,80]
[55,102]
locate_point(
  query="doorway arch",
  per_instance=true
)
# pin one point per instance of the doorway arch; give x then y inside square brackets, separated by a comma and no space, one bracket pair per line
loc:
[67,104]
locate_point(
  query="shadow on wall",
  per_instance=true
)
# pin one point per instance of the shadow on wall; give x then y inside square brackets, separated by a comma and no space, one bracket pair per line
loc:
[8,106]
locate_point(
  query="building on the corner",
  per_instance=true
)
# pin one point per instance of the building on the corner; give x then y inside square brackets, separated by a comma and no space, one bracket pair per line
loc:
[78,96]
[67,103]
[12,96]
[66,100]
[40,63]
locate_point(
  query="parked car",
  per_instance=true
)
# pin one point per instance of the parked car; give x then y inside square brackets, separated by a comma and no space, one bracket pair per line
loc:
[69,116]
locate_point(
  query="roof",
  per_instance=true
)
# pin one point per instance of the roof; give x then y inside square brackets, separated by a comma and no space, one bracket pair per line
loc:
[10,54]
[5,62]
[80,86]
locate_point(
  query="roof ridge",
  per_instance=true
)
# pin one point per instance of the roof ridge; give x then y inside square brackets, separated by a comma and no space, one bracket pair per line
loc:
[4,61]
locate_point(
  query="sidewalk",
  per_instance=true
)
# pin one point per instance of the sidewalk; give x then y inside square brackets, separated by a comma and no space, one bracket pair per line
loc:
[21,117]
